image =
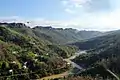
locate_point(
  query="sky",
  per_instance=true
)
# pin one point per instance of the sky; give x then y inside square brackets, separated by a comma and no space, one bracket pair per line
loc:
[101,15]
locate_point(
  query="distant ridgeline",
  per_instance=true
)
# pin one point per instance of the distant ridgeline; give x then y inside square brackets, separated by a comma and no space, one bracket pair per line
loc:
[54,35]
[51,28]
[22,25]
[14,25]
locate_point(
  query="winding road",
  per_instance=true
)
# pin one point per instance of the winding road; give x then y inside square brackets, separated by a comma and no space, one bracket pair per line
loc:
[74,65]
[72,57]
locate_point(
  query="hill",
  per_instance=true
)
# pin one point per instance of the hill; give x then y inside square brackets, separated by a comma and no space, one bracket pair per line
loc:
[103,55]
[53,35]
[40,51]
[64,36]
[31,55]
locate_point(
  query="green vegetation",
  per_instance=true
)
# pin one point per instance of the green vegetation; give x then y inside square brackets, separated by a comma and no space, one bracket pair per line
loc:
[103,55]
[63,36]
[23,56]
[32,53]
[54,35]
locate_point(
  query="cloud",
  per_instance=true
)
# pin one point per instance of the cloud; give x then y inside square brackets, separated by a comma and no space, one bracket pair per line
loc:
[75,2]
[94,14]
[87,5]
[12,19]
[69,11]
[98,19]
[80,2]
[89,21]
[98,5]
[73,5]
[100,22]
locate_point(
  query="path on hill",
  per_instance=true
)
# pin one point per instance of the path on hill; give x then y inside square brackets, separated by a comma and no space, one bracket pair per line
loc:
[72,57]
[67,72]
[55,76]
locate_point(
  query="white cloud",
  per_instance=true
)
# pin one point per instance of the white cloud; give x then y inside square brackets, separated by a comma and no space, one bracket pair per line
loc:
[69,11]
[12,19]
[74,5]
[101,22]
[74,2]
[85,20]
[101,14]
[64,2]
[79,1]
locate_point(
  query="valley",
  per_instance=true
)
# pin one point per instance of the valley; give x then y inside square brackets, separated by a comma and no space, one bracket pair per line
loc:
[69,62]
[59,40]
[55,53]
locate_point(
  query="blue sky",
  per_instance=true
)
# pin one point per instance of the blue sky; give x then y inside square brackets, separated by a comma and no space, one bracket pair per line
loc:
[49,9]
[30,8]
[79,14]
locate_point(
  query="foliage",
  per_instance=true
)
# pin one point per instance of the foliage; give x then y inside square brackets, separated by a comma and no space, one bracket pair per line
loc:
[102,51]
[23,53]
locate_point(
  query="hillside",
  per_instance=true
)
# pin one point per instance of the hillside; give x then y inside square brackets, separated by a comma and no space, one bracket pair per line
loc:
[53,35]
[63,36]
[107,40]
[103,54]
[25,54]
[40,51]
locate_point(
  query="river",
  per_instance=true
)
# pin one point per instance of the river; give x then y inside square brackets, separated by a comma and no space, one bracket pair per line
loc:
[74,65]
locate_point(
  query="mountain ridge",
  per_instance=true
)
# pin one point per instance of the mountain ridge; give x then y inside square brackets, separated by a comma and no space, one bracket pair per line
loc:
[54,35]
